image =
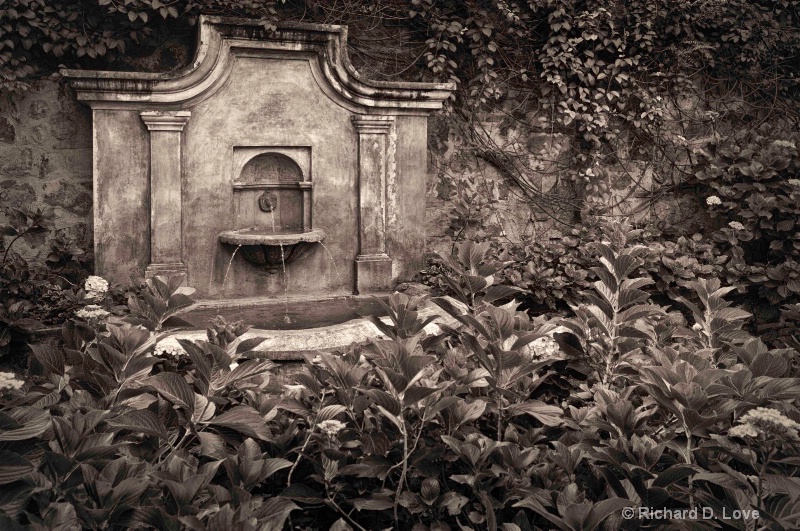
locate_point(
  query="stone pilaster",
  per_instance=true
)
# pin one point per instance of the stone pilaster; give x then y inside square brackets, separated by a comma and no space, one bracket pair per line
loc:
[165,191]
[373,265]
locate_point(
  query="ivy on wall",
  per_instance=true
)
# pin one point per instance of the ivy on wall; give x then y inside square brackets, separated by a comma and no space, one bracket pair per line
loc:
[646,93]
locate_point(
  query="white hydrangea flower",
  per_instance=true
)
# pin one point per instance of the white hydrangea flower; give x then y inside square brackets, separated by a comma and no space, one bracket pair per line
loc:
[331,427]
[169,347]
[713,200]
[743,430]
[92,311]
[735,225]
[544,348]
[784,143]
[767,421]
[95,287]
[793,182]
[8,381]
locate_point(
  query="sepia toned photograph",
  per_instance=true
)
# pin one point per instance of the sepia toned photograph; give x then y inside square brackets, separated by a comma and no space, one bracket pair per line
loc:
[400,265]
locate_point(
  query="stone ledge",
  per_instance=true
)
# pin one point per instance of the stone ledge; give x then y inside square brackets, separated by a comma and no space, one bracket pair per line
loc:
[266,236]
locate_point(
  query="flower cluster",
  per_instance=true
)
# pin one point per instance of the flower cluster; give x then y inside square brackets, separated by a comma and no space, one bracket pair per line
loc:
[95,287]
[765,421]
[8,381]
[92,311]
[793,182]
[331,427]
[735,225]
[538,349]
[713,200]
[784,143]
[169,347]
[543,348]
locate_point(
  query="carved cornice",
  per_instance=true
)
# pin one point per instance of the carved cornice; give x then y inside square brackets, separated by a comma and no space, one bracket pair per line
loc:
[380,125]
[165,120]
[221,40]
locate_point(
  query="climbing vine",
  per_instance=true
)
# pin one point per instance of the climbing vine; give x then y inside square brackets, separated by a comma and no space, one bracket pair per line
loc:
[584,108]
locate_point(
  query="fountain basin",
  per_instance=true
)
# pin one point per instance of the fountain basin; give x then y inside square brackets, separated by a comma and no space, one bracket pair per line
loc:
[272,249]
[334,325]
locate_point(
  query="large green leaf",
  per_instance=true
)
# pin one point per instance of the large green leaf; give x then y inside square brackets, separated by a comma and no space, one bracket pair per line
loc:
[34,423]
[140,420]
[672,474]
[212,445]
[602,510]
[373,503]
[13,467]
[245,420]
[245,370]
[329,412]
[532,503]
[51,357]
[546,414]
[499,291]
[272,515]
[174,388]
[8,423]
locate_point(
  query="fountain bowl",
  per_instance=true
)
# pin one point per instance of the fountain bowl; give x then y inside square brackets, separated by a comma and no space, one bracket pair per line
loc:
[272,249]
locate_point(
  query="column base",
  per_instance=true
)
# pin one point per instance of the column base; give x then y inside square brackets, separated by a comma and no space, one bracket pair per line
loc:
[373,273]
[167,270]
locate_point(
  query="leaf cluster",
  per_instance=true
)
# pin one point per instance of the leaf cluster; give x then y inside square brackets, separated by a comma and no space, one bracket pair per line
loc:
[468,426]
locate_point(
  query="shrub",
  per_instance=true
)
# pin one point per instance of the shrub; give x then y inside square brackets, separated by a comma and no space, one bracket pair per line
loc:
[38,293]
[752,183]
[478,425]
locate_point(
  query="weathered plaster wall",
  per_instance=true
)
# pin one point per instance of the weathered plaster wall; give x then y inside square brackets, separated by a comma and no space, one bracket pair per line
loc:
[406,196]
[290,110]
[46,158]
[123,187]
[293,91]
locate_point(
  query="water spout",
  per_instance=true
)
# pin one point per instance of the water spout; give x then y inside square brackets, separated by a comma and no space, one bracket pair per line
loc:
[228,269]
[335,267]
[286,318]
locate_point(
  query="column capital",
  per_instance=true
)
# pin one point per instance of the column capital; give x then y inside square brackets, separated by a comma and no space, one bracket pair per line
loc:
[165,120]
[380,125]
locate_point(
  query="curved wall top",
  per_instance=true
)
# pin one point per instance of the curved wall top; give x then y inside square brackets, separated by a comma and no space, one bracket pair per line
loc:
[222,39]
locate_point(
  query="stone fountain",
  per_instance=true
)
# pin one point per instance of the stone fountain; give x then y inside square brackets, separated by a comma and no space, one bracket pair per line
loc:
[270,145]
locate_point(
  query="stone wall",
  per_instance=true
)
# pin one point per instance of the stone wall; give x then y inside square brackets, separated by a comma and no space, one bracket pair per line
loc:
[46,159]
[460,177]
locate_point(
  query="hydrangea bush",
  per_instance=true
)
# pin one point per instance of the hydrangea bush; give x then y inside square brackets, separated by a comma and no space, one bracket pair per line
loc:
[498,422]
[753,176]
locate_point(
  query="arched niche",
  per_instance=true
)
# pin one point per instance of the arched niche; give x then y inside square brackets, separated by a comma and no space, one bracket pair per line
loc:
[276,186]
[273,168]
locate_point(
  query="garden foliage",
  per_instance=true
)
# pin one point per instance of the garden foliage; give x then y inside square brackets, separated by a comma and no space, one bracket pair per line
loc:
[652,392]
[36,292]
[497,422]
